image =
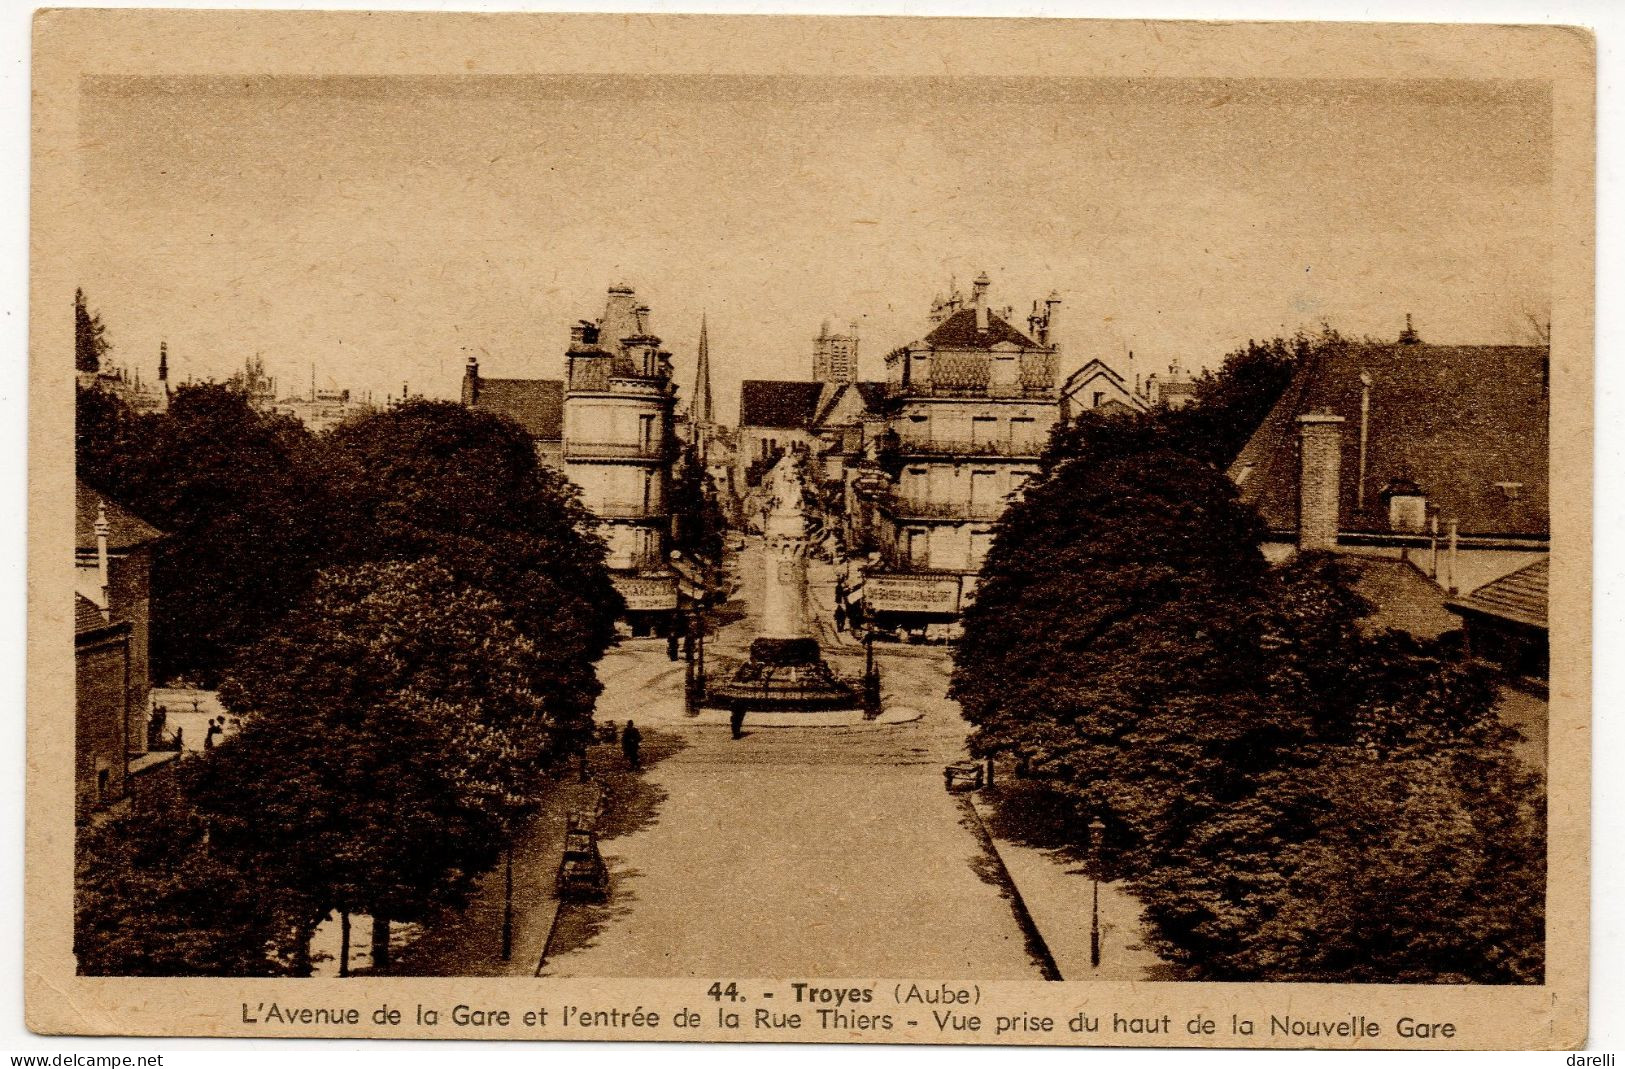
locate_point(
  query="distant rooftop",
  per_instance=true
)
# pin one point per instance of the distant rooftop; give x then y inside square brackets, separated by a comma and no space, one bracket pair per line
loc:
[124,529]
[1464,426]
[537,405]
[778,404]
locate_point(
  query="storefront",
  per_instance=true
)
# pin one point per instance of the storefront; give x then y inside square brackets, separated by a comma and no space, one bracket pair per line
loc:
[913,606]
[651,602]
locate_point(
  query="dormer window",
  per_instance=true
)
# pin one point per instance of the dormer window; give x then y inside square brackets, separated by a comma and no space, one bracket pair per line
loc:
[1407,506]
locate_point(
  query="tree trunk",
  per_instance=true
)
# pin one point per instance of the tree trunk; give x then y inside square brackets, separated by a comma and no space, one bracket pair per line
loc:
[380,944]
[344,943]
[301,947]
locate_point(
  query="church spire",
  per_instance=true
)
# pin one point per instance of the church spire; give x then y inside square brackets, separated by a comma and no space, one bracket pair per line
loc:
[700,411]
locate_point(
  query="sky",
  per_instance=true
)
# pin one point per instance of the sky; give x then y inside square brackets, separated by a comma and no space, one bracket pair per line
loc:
[381,230]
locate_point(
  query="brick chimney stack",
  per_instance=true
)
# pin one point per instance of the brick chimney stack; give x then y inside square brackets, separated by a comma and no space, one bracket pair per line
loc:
[1319,480]
[471,381]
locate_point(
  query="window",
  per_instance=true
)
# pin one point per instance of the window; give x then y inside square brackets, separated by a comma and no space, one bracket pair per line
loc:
[1100,398]
[1407,512]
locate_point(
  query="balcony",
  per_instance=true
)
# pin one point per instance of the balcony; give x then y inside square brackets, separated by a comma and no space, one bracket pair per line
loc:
[902,507]
[650,451]
[952,447]
[627,510]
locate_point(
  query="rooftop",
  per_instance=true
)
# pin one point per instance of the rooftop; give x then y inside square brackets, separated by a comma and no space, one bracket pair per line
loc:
[1465,425]
[778,404]
[1519,597]
[537,405]
[124,529]
[959,331]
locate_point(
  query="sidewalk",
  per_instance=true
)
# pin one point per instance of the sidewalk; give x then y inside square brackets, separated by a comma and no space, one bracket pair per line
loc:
[469,942]
[1059,898]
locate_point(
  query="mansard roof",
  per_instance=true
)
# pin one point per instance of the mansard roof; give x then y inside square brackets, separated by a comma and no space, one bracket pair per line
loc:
[959,331]
[537,405]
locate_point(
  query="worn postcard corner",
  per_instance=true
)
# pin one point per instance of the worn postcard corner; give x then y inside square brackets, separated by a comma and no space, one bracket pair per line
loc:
[810,530]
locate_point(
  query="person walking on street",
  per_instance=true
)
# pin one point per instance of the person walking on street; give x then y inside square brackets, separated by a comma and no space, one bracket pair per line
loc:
[631,739]
[736,721]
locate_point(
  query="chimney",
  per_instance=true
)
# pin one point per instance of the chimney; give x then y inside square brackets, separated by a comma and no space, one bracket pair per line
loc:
[163,366]
[1408,336]
[1319,480]
[979,300]
[643,319]
[102,570]
[1052,304]
[471,381]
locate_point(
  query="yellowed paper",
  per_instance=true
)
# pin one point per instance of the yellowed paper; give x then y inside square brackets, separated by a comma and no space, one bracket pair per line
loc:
[344,215]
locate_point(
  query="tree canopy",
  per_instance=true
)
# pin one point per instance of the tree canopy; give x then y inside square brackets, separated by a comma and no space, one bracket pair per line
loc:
[1291,793]
[391,736]
[242,497]
[435,480]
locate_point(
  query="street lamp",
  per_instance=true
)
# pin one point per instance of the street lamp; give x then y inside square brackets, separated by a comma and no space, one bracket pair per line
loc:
[1096,826]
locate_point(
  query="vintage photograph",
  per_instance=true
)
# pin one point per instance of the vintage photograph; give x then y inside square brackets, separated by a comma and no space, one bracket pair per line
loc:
[976,527]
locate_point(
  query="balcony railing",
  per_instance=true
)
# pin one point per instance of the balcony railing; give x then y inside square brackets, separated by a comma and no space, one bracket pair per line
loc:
[574,450]
[627,510]
[956,447]
[1030,392]
[904,507]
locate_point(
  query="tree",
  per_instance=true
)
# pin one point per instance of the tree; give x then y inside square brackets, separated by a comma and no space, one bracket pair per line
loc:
[391,738]
[1231,404]
[1113,646]
[90,342]
[151,899]
[1292,794]
[244,500]
[463,487]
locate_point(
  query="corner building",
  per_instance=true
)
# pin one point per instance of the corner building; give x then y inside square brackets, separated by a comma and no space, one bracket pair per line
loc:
[619,443]
[968,408]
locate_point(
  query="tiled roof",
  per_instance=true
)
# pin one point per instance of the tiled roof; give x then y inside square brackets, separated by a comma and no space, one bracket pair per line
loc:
[124,530]
[1520,597]
[959,331]
[871,398]
[1401,597]
[86,615]
[1466,424]
[535,404]
[778,404]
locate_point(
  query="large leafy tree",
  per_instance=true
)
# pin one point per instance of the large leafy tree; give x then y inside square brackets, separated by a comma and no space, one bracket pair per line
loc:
[1292,793]
[391,737]
[463,487]
[1230,404]
[151,899]
[90,342]
[1114,647]
[244,501]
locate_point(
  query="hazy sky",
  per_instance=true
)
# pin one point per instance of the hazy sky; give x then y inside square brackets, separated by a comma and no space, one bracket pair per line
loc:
[384,228]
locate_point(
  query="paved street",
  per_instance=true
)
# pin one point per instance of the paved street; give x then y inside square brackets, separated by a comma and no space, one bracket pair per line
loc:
[820,851]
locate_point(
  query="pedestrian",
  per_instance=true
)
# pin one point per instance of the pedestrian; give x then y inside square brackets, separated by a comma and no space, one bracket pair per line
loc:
[736,721]
[631,739]
[840,617]
[671,645]
[214,729]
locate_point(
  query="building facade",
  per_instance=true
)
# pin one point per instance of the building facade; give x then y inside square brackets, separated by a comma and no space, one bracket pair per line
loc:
[619,448]
[969,409]
[113,564]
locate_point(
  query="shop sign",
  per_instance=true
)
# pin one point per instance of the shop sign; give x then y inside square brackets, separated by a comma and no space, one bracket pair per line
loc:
[912,593]
[648,594]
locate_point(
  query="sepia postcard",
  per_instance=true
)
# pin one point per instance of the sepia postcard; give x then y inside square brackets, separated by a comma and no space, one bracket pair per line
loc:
[810,529]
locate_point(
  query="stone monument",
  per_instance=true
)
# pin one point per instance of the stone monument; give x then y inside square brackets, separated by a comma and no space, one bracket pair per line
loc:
[786,670]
